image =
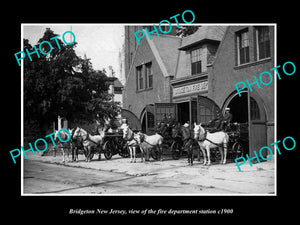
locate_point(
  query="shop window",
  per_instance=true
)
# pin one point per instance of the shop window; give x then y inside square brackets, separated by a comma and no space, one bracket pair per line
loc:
[242,38]
[263,48]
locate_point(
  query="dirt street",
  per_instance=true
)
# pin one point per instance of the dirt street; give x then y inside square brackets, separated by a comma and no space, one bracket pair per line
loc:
[48,175]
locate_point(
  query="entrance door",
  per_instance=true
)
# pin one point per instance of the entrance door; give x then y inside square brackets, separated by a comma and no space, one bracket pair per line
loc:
[208,109]
[147,118]
[161,109]
[257,125]
[183,110]
[248,110]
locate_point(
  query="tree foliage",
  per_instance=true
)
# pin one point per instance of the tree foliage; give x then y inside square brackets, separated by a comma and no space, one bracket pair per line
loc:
[185,31]
[63,83]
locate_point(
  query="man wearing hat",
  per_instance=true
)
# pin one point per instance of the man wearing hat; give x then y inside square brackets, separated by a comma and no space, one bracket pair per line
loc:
[226,118]
[186,133]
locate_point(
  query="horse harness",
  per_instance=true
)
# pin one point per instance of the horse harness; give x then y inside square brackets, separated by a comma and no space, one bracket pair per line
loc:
[131,139]
[89,139]
[204,138]
[143,140]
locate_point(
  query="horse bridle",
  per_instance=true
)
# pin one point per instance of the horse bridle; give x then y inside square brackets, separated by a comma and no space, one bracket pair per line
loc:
[204,135]
[206,139]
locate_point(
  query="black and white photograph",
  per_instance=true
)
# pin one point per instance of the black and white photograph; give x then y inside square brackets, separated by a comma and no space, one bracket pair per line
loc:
[141,112]
[149,109]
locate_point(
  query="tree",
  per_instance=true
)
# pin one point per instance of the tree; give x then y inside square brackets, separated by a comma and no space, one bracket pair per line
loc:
[184,31]
[64,84]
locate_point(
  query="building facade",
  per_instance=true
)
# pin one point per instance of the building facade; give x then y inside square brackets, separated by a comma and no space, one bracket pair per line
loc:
[193,78]
[150,68]
[196,56]
[245,52]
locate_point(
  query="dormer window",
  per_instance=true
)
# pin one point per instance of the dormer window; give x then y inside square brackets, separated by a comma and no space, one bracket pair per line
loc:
[196,56]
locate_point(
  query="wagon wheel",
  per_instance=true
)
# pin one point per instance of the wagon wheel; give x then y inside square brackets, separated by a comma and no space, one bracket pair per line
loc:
[176,150]
[238,149]
[107,148]
[215,155]
[124,151]
[155,153]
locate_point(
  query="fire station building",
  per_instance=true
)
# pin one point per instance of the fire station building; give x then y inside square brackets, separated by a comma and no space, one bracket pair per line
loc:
[192,78]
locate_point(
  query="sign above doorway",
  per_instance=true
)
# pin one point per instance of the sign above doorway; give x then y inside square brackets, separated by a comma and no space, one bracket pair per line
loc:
[190,89]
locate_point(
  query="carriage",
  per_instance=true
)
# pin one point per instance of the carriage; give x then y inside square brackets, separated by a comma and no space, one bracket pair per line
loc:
[237,146]
[114,144]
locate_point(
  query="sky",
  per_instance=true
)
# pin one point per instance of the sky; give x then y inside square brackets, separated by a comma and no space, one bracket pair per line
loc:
[100,42]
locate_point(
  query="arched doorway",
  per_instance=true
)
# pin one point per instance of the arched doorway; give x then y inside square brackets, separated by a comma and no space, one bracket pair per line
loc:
[147,119]
[249,110]
[133,120]
[239,108]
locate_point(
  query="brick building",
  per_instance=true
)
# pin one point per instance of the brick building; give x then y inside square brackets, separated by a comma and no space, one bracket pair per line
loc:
[149,68]
[193,77]
[195,58]
[246,51]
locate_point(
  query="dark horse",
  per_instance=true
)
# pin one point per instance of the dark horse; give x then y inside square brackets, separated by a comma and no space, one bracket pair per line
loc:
[164,129]
[184,135]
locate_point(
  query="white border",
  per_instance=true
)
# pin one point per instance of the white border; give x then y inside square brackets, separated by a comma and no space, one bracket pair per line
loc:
[150,24]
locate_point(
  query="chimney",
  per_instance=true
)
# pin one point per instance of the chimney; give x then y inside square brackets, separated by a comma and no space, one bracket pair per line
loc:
[110,71]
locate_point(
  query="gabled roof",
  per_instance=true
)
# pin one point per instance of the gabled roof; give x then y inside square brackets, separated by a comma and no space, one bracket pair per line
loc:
[204,33]
[117,83]
[165,50]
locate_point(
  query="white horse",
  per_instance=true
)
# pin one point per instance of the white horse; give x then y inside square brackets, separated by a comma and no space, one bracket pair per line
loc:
[131,138]
[147,142]
[64,146]
[89,141]
[208,140]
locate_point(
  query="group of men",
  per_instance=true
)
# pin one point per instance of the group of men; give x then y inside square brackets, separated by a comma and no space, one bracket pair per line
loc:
[217,124]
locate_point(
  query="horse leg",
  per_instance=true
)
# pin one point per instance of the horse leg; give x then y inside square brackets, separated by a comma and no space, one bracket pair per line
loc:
[198,156]
[147,154]
[76,153]
[208,155]
[203,152]
[68,153]
[89,153]
[134,155]
[192,154]
[225,152]
[86,153]
[222,155]
[142,154]
[131,154]
[63,153]
[160,152]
